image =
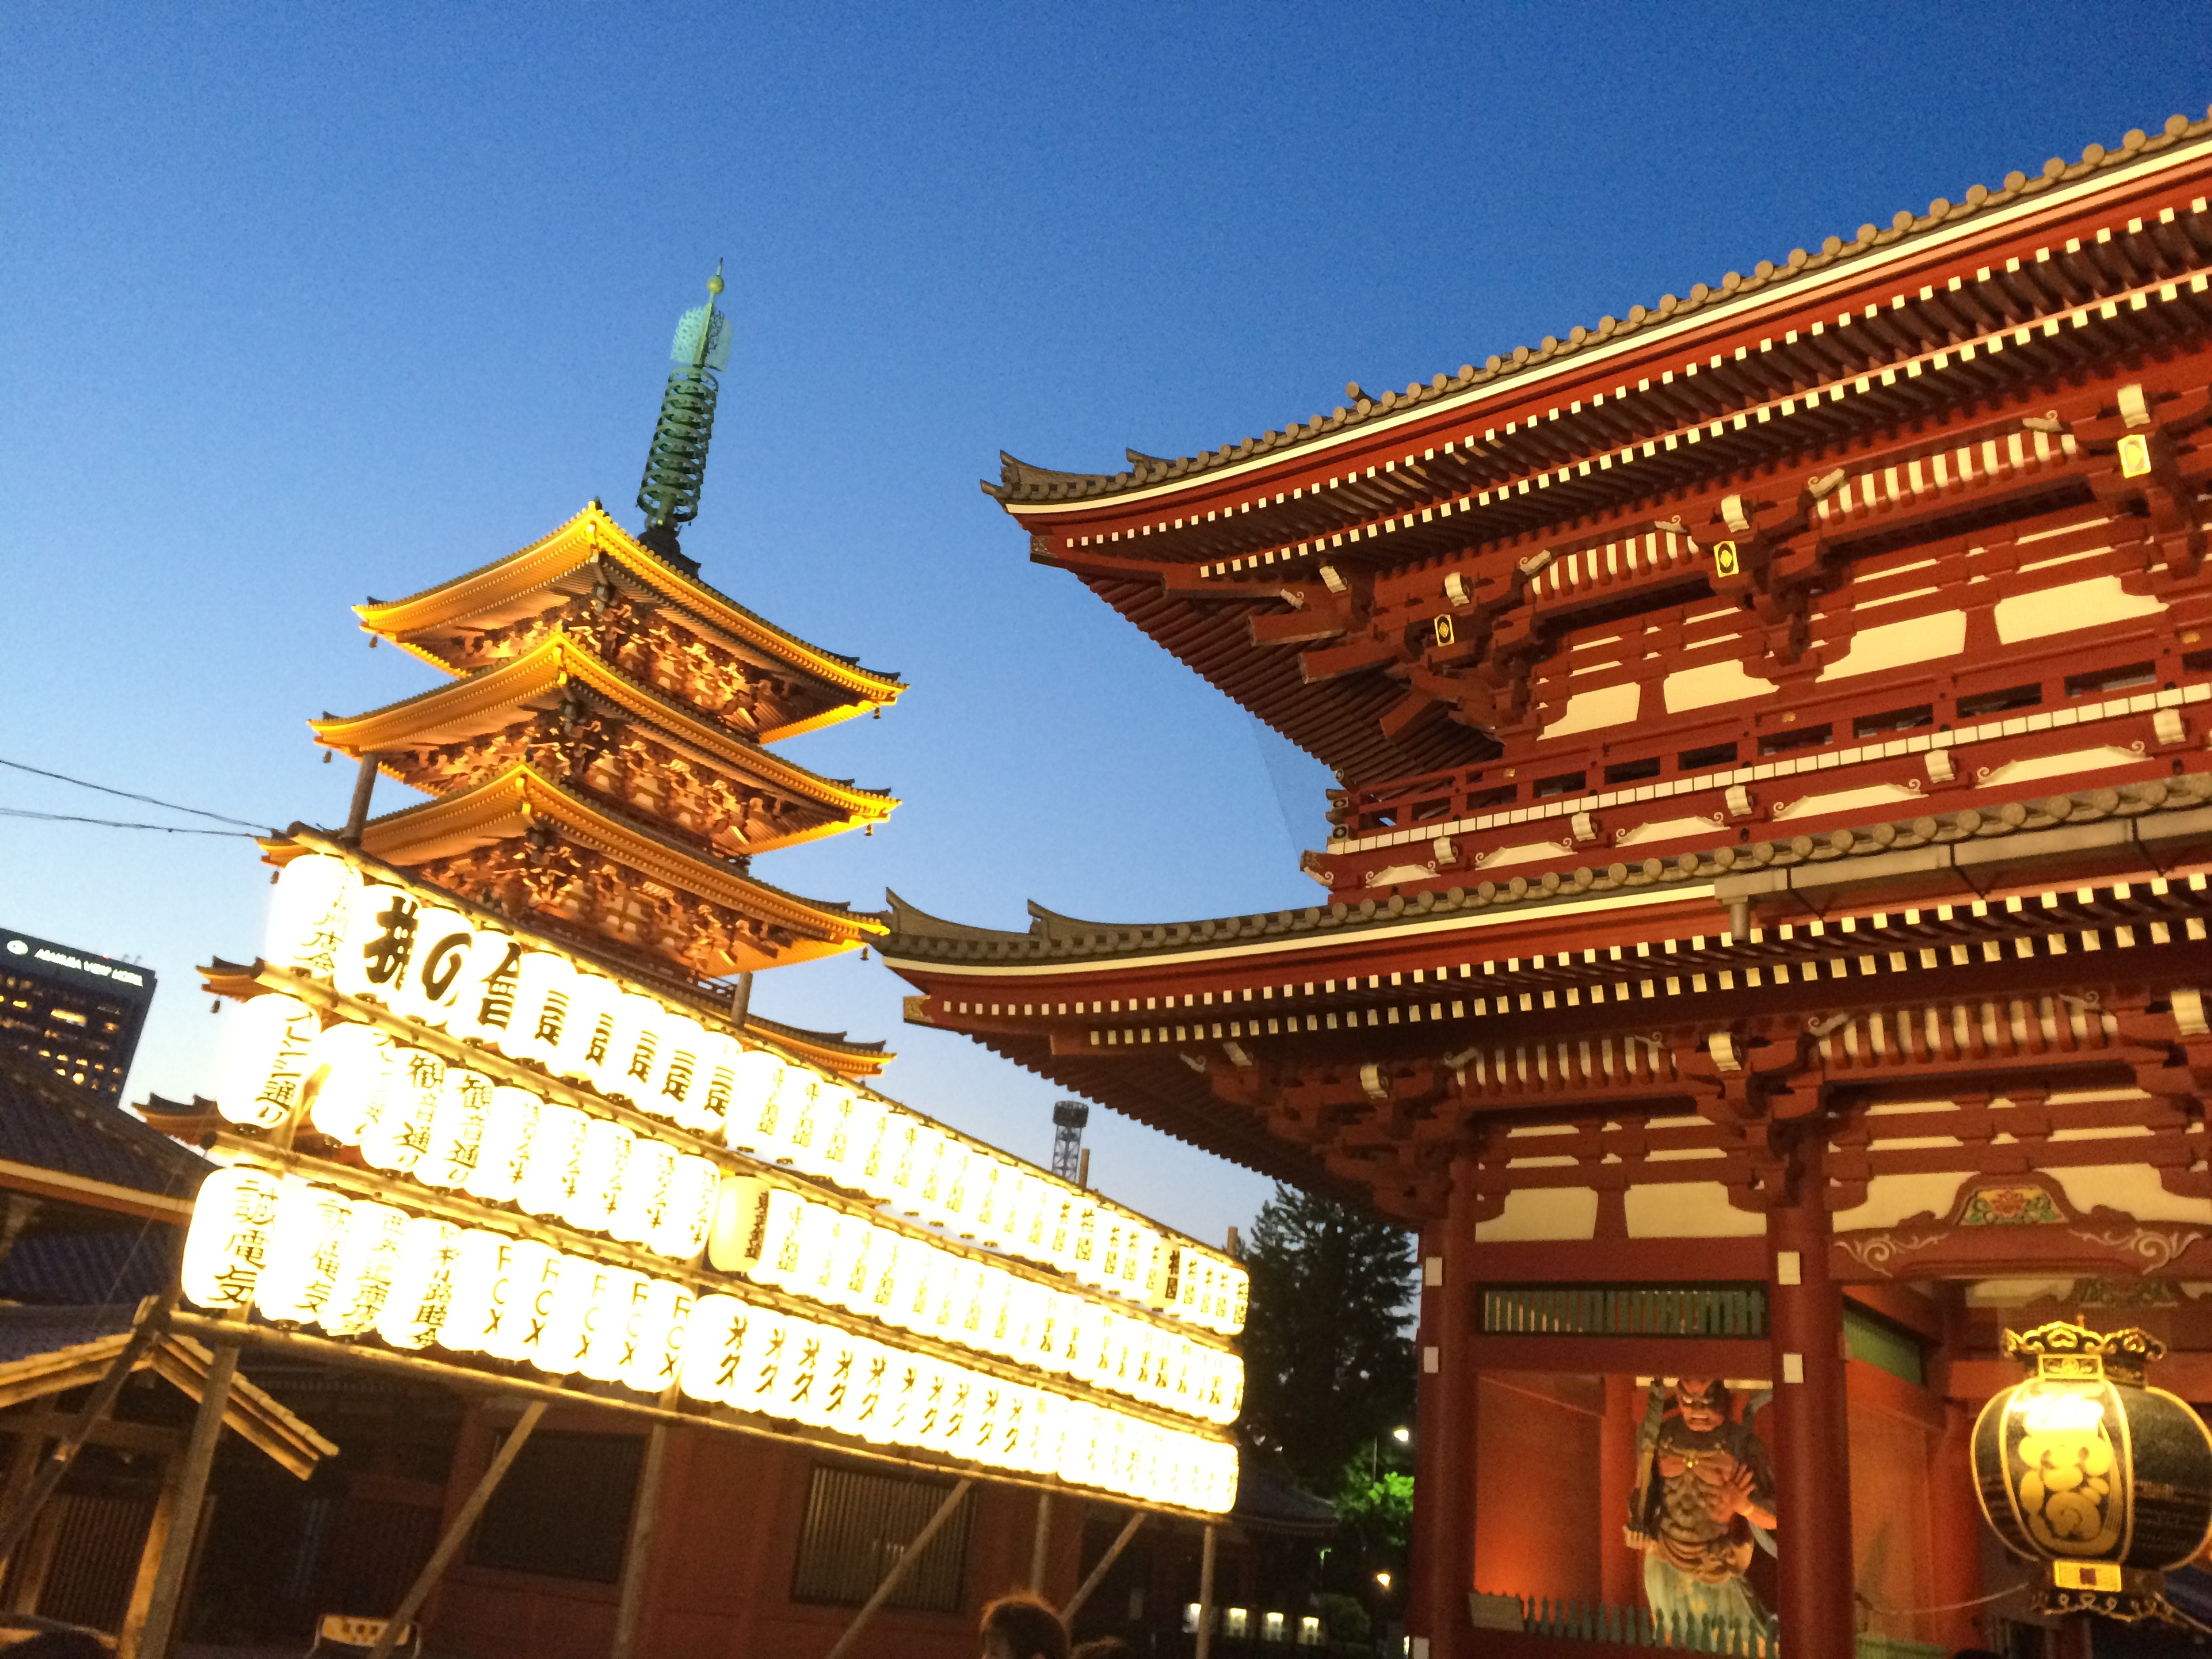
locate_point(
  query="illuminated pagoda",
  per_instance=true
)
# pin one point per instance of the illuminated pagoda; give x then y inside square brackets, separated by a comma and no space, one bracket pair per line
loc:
[1767,894]
[494,1118]
[600,763]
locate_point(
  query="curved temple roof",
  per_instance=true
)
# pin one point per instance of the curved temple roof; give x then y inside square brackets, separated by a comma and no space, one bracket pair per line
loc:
[1020,483]
[502,588]
[487,700]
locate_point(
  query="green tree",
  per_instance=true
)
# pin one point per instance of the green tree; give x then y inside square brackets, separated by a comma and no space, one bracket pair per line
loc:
[1328,1361]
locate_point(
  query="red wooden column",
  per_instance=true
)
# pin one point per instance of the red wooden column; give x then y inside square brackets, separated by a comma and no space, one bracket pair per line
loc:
[1428,1478]
[1955,1529]
[1812,1473]
[1451,1422]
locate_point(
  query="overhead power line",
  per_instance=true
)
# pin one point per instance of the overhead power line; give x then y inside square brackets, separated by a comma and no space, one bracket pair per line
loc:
[121,795]
[120,824]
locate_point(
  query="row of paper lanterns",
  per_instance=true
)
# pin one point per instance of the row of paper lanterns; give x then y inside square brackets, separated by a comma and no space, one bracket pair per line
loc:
[407,1112]
[778,1238]
[433,965]
[301,1252]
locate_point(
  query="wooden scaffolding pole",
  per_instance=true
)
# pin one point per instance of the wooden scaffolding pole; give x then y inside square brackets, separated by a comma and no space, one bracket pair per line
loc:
[1040,1543]
[896,1576]
[164,1599]
[1105,1562]
[637,1554]
[456,1533]
[1205,1593]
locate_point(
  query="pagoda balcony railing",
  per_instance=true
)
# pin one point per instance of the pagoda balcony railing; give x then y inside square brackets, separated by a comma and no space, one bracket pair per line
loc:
[1727,1309]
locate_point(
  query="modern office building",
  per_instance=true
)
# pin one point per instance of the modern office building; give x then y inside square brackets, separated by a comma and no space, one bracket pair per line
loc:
[77,1012]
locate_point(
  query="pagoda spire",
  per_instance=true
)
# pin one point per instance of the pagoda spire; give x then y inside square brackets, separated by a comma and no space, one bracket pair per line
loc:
[675,466]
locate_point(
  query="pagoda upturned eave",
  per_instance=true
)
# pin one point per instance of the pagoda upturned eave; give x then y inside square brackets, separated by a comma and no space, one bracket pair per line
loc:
[504,588]
[507,808]
[1046,494]
[538,681]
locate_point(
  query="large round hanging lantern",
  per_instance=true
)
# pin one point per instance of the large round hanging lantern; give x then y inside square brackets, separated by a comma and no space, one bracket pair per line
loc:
[2087,1468]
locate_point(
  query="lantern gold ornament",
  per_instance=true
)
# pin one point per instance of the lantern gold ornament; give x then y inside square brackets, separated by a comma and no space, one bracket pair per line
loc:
[2087,1468]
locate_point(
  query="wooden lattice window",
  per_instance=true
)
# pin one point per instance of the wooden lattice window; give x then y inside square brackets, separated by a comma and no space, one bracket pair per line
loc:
[859,1523]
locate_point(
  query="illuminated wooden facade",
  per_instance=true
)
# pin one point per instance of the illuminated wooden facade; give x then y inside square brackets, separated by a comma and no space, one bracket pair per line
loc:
[1772,854]
[599,762]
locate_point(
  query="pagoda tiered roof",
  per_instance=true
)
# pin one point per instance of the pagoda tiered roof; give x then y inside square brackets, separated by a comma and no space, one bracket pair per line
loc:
[499,610]
[492,838]
[458,735]
[1301,572]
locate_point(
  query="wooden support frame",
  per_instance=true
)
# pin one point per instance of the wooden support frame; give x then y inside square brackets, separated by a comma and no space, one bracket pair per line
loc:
[457,1532]
[1205,1593]
[151,1322]
[896,1576]
[1040,1542]
[1085,1590]
[637,1553]
[190,1480]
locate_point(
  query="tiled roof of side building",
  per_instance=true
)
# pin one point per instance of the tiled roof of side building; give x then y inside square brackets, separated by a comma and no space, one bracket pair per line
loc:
[45,1124]
[114,1264]
[2162,813]
[1019,482]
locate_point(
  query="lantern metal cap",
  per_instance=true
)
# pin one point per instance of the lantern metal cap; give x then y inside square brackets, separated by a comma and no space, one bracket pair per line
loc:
[2060,1349]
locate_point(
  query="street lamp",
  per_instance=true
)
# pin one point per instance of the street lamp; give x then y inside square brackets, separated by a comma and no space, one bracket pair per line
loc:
[1402,1436]
[1382,1578]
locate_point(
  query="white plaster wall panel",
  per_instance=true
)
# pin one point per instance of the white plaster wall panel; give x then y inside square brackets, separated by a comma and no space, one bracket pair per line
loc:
[1688,1209]
[1542,1213]
[2077,604]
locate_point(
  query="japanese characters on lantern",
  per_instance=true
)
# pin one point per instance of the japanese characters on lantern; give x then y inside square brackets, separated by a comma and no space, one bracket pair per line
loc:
[299,1252]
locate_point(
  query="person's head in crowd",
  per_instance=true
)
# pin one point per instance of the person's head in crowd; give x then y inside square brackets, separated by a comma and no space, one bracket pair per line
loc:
[1023,1626]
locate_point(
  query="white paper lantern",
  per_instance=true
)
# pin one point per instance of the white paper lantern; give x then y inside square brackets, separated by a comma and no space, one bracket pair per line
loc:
[545,999]
[953,1193]
[484,1008]
[869,1416]
[659,1322]
[379,944]
[626,1069]
[679,1079]
[900,1405]
[1059,1227]
[348,1077]
[520,1299]
[716,1097]
[820,1227]
[753,1118]
[845,1252]
[686,1219]
[302,1262]
[395,1138]
[642,1200]
[759,1386]
[868,1169]
[1084,1257]
[605,1153]
[617,1297]
[307,918]
[480,1269]
[713,1347]
[1240,1301]
[265,1061]
[421,1294]
[903,1166]
[510,1122]
[566,1292]
[840,1151]
[590,1036]
[556,1161]
[457,1132]
[443,941]
[797,1105]
[369,1254]
[765,1235]
[888,1252]
[228,1245]
[990,1183]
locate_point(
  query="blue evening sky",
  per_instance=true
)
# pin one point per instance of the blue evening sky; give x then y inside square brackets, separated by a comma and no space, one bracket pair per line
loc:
[303,304]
